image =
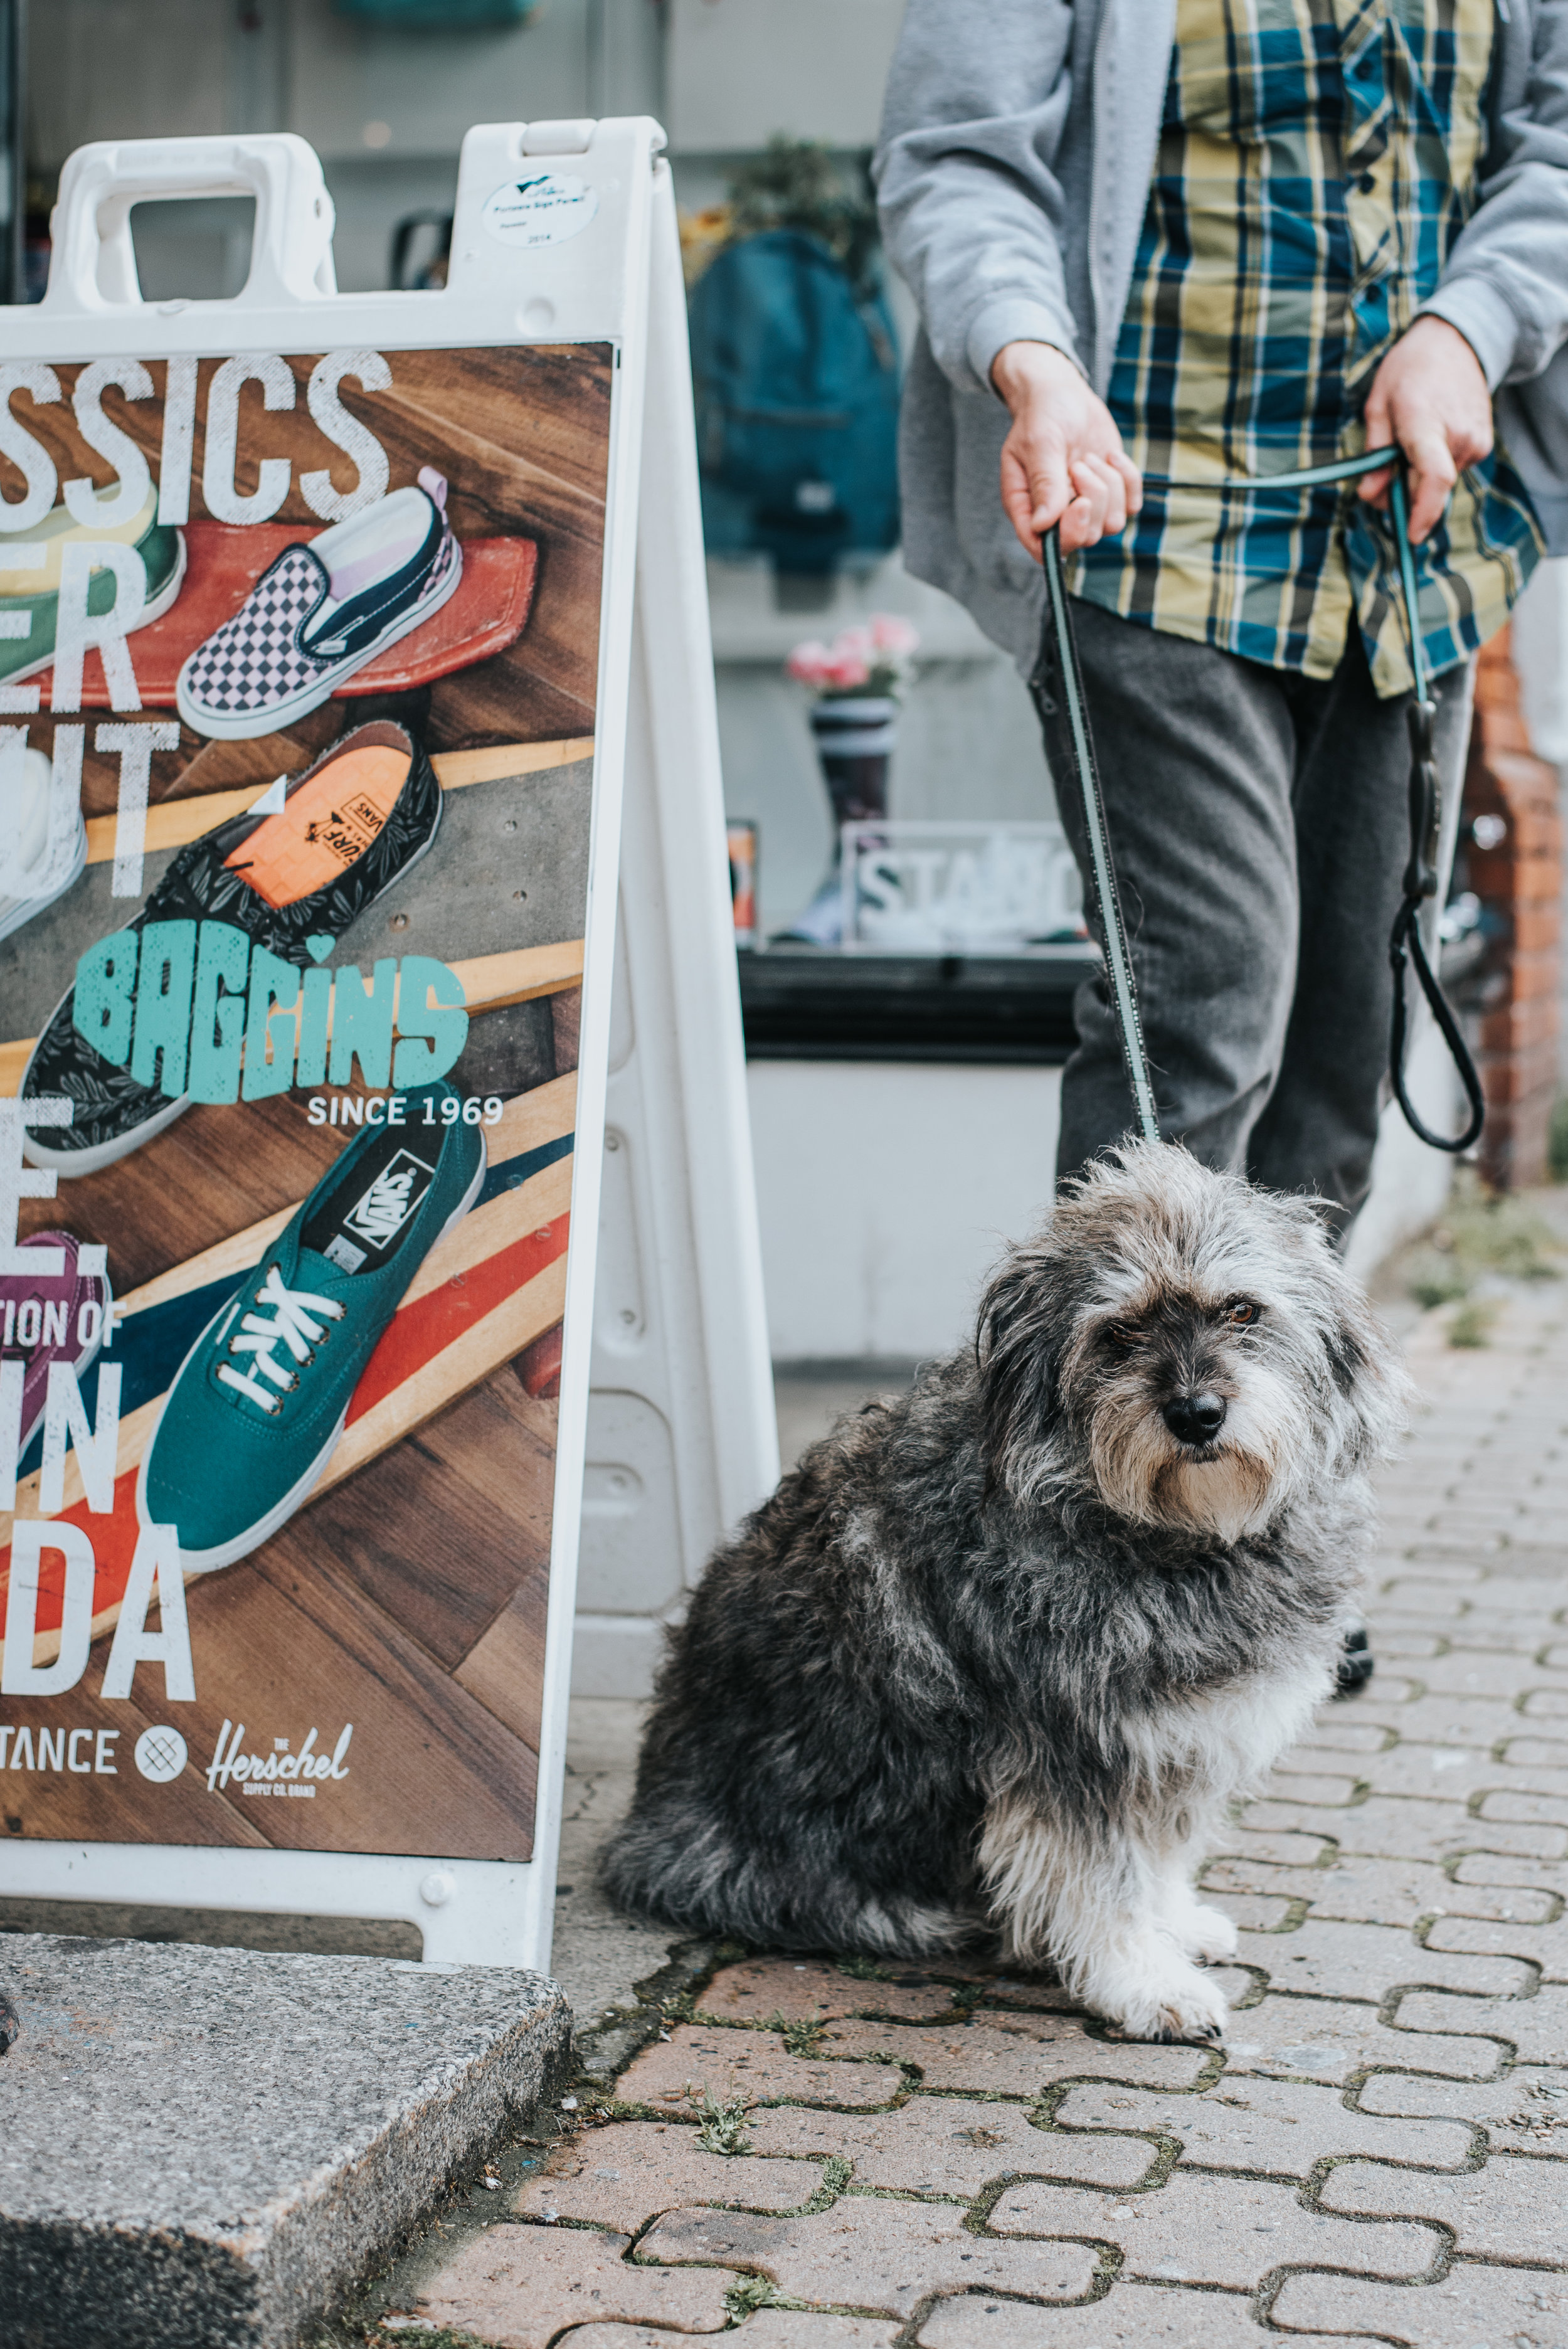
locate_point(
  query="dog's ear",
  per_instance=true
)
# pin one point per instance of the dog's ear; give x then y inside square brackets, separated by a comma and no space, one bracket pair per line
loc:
[1015,1353]
[1368,1373]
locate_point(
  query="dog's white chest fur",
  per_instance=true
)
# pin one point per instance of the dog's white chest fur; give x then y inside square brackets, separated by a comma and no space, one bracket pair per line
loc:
[1117,1915]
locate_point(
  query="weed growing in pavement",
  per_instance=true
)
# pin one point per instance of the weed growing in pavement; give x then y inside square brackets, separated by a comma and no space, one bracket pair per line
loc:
[1471,1325]
[1482,1232]
[801,2037]
[723,2125]
[742,2300]
[836,2175]
[862,1968]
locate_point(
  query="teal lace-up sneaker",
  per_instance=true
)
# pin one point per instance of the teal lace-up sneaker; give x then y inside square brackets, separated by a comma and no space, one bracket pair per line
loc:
[259,1403]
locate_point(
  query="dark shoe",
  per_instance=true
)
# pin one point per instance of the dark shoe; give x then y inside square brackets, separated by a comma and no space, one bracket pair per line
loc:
[293,878]
[259,1403]
[1356,1665]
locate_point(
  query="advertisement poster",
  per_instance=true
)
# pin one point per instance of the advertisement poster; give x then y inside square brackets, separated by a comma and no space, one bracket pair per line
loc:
[297,662]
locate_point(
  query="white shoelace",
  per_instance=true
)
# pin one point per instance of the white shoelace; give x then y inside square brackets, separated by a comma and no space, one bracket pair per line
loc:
[291,1326]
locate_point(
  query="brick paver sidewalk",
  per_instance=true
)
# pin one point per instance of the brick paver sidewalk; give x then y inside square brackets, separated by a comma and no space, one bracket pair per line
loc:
[833,2159]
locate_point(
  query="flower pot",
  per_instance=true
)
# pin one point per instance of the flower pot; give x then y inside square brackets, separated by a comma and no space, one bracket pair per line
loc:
[854,741]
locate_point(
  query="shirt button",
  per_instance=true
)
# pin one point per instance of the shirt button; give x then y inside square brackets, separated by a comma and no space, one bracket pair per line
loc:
[1367,182]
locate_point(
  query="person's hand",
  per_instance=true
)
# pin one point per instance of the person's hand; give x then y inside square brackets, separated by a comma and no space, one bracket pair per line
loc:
[1431,395]
[1063,459]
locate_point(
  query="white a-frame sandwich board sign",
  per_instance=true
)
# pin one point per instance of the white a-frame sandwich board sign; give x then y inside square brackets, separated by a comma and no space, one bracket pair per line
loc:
[336,633]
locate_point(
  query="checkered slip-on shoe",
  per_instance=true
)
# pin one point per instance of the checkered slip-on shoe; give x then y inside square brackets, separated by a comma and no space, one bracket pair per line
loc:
[259,1403]
[34,598]
[30,878]
[321,611]
[49,1317]
[345,832]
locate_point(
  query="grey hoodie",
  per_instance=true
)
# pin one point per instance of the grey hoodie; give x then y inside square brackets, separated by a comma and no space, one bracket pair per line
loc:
[1018,143]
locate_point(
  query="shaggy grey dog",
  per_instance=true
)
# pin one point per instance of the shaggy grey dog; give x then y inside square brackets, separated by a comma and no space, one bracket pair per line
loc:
[998,1654]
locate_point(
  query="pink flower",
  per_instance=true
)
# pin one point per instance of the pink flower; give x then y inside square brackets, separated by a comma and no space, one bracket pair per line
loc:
[891,634]
[846,670]
[854,644]
[810,664]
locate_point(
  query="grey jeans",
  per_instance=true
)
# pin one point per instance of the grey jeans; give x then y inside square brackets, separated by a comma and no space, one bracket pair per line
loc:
[1259,825]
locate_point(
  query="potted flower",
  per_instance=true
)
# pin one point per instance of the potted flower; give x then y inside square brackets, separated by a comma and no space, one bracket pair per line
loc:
[858,680]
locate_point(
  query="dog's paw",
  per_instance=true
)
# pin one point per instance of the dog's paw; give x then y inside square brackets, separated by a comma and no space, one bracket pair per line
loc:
[1155,1992]
[1206,1934]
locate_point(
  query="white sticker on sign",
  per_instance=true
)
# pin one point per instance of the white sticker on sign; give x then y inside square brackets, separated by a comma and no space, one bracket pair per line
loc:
[544,210]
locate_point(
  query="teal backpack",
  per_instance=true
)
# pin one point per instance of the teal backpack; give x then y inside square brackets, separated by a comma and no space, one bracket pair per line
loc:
[796,377]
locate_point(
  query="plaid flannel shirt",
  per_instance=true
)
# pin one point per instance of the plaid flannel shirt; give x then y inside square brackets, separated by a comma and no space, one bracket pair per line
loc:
[1316,161]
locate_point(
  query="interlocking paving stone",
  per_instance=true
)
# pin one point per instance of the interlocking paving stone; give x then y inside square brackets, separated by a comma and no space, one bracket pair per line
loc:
[1325,1791]
[871,2254]
[1017,2057]
[519,2287]
[763,1987]
[1448,1720]
[949,2145]
[1032,1990]
[1507,2308]
[1399,1828]
[1330,2039]
[1230,2232]
[1504,1803]
[770,2328]
[1458,1773]
[1394,1892]
[1131,2316]
[1545,1946]
[1537,2028]
[1253,1912]
[1511,2209]
[1525,2111]
[751,2065]
[1279,2126]
[618,2176]
[1246,1840]
[1462,1672]
[1343,1960]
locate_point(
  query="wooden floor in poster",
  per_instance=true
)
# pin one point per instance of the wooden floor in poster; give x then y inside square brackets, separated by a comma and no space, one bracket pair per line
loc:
[446,1455]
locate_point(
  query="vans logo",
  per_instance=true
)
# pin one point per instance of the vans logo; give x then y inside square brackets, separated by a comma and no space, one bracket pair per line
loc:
[348,831]
[381,1213]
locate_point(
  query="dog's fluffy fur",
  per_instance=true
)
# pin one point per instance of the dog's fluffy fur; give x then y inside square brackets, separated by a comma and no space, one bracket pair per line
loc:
[1002,1650]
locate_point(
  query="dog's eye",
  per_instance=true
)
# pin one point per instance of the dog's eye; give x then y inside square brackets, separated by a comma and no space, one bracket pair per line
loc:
[1241,1313]
[1119,1340]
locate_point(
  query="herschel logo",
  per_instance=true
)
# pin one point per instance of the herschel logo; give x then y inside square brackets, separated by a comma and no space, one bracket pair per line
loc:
[391,1199]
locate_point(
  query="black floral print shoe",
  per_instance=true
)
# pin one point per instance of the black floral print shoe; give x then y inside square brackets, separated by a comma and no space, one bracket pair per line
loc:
[291,874]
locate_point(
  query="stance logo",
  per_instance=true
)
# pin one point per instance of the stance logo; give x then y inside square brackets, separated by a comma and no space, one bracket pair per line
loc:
[391,1199]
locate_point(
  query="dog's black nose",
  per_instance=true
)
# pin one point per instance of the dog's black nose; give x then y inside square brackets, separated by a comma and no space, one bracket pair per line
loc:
[1195,1418]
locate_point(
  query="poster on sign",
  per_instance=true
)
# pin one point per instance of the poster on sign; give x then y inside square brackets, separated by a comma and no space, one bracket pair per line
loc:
[304,773]
[297,762]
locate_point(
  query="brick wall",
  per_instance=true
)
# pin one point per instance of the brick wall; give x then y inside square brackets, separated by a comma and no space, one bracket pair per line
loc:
[1519,881]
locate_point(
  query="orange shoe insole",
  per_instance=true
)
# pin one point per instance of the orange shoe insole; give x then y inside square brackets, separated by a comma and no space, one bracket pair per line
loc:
[326,826]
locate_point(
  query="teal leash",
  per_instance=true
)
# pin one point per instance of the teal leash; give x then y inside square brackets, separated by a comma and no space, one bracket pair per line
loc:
[1420,876]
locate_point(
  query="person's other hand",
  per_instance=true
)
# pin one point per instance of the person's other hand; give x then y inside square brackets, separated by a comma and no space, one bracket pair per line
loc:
[1063,459]
[1429,394]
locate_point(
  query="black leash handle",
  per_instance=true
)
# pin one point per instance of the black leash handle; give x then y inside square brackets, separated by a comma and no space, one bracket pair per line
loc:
[1420,876]
[1420,881]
